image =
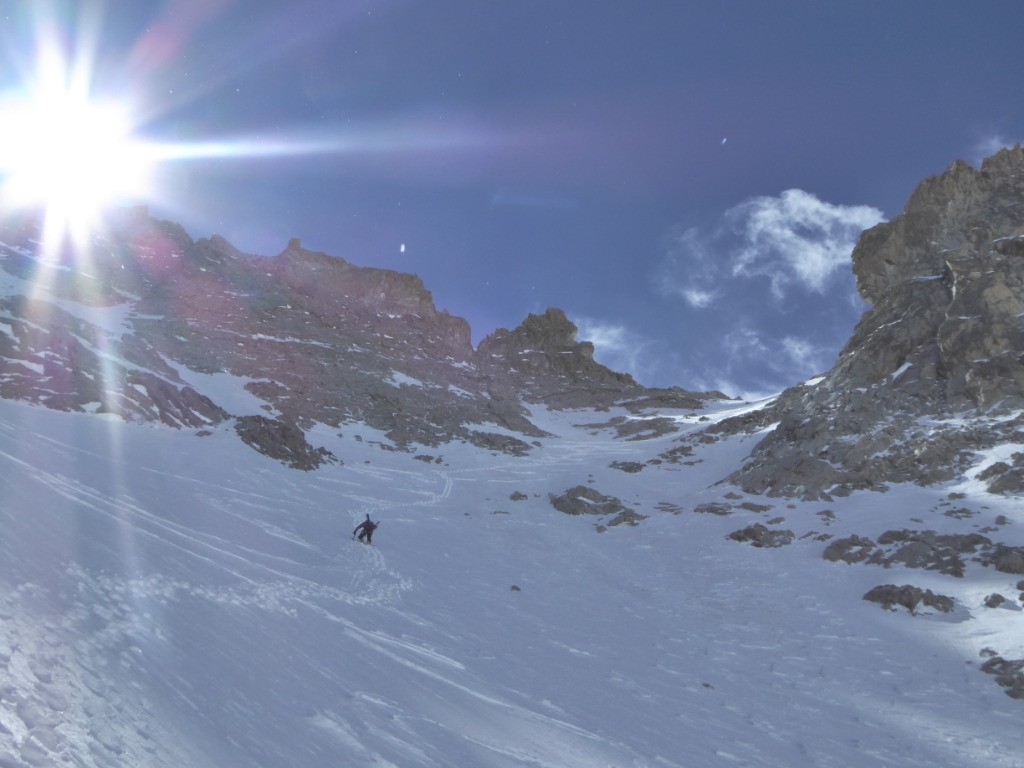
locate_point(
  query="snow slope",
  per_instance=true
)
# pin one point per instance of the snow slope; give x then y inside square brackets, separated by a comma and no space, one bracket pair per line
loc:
[174,600]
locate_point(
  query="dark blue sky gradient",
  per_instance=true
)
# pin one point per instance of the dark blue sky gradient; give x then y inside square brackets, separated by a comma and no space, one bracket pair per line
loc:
[541,153]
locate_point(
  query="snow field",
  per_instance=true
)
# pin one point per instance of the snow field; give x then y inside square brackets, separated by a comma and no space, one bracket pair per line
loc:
[170,600]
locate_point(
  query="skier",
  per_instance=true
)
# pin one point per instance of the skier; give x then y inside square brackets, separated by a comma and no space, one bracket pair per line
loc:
[366,529]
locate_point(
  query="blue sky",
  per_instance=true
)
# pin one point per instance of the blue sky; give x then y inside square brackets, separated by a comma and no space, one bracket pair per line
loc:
[684,179]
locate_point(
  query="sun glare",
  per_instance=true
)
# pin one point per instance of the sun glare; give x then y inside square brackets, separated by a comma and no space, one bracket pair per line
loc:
[71,152]
[68,154]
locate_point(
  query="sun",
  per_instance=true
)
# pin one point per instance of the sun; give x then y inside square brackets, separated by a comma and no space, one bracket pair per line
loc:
[69,154]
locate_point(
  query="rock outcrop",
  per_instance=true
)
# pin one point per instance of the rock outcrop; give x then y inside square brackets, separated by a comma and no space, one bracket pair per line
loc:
[758,535]
[1009,673]
[944,338]
[282,441]
[910,597]
[583,500]
[542,360]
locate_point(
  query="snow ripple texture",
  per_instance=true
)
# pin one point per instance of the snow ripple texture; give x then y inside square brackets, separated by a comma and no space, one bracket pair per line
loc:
[167,600]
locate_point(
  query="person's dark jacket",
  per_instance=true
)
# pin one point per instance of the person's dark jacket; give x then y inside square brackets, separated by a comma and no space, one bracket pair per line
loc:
[365,528]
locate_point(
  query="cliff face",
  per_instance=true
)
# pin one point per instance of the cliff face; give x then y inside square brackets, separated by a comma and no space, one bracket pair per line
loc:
[946,278]
[943,339]
[331,286]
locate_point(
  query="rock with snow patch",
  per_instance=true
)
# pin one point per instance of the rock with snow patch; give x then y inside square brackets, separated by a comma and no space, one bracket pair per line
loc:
[632,467]
[852,549]
[281,441]
[1009,673]
[994,600]
[910,597]
[1003,478]
[713,508]
[583,500]
[758,535]
[1008,559]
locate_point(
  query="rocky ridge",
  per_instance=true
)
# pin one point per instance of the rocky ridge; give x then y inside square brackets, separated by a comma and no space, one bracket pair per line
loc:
[316,340]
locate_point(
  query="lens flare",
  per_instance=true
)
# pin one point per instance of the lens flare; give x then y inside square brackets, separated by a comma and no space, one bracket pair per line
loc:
[81,119]
[64,151]
[71,157]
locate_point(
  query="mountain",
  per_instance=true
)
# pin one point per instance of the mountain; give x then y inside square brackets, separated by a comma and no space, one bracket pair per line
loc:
[572,570]
[139,327]
[933,374]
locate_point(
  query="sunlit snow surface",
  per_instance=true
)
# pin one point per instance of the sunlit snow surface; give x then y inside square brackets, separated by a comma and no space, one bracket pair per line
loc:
[173,600]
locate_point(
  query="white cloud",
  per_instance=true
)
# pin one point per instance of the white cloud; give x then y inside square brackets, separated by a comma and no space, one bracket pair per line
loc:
[606,335]
[790,241]
[617,347]
[744,346]
[698,298]
[744,343]
[764,298]
[796,237]
[778,362]
[690,271]
[806,355]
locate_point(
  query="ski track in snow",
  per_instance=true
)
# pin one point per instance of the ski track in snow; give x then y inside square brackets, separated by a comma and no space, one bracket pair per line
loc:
[171,601]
